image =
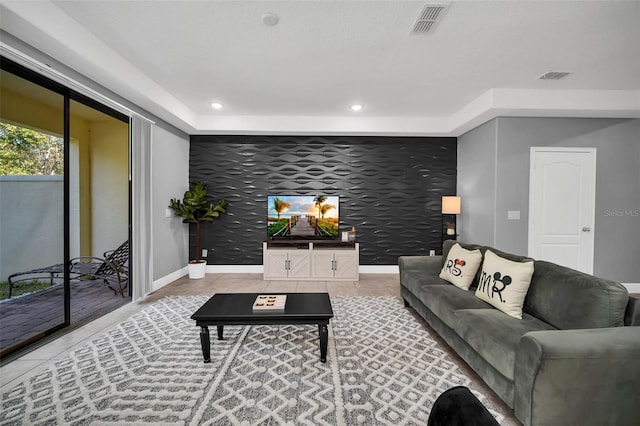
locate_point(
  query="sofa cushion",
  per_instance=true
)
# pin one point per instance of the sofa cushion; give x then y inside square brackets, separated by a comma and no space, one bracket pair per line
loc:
[460,266]
[495,335]
[569,299]
[418,271]
[445,300]
[504,283]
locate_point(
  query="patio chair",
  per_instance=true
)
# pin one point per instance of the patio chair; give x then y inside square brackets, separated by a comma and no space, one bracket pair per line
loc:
[51,273]
[112,269]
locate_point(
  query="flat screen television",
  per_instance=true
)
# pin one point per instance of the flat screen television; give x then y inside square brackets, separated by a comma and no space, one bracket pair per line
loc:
[303,216]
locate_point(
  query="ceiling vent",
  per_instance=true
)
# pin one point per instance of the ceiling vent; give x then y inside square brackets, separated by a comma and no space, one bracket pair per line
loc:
[553,75]
[429,17]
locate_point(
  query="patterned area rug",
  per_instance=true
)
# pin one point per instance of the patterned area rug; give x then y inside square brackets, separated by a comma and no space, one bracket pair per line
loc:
[382,368]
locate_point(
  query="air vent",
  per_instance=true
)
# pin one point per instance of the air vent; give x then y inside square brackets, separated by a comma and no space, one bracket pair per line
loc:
[553,75]
[430,16]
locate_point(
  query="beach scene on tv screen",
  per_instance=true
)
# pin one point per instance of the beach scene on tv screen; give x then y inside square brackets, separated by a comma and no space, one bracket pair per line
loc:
[303,216]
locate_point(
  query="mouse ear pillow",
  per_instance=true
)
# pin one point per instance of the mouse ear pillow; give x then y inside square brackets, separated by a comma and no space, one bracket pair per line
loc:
[460,266]
[504,283]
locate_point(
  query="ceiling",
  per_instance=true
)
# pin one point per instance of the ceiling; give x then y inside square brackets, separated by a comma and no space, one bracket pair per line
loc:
[481,60]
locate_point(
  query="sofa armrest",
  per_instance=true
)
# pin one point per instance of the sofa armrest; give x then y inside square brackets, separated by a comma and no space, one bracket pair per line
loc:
[426,266]
[585,377]
[632,314]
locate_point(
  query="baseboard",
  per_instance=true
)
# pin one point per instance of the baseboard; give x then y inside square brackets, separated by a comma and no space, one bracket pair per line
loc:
[234,269]
[167,279]
[258,269]
[632,287]
[379,269]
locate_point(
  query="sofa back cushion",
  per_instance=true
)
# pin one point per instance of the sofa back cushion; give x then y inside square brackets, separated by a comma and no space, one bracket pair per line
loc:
[564,297]
[568,299]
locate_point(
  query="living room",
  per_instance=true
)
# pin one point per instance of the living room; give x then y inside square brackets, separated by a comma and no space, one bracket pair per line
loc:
[462,120]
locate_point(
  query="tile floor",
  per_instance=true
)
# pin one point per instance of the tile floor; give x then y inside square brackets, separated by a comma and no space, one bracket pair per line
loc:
[369,285]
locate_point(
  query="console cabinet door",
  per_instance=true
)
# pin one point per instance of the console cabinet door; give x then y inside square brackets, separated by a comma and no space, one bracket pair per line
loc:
[276,262]
[299,264]
[346,264]
[323,262]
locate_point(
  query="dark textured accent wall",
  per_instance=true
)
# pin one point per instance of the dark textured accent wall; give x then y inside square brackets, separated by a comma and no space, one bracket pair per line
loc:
[390,189]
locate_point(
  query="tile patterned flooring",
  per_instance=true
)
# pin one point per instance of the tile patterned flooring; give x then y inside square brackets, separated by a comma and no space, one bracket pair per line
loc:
[369,285]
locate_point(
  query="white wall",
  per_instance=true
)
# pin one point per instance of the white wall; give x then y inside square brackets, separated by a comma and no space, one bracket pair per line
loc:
[170,177]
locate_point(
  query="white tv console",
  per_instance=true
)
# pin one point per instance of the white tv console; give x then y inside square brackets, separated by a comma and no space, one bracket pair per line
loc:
[311,260]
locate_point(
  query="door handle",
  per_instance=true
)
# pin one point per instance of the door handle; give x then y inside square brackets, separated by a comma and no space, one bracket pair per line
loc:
[586,229]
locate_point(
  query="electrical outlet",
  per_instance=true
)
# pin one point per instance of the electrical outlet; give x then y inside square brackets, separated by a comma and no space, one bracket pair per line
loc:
[204,252]
[432,252]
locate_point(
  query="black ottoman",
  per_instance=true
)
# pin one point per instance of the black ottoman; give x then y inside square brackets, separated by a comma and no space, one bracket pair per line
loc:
[459,407]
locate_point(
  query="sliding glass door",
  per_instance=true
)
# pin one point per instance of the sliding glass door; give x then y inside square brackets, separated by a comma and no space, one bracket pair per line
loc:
[98,210]
[32,207]
[64,208]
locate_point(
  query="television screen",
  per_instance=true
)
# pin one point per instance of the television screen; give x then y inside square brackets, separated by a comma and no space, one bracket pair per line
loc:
[303,216]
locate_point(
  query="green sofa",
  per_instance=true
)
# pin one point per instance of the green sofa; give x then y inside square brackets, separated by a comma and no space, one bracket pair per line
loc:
[573,358]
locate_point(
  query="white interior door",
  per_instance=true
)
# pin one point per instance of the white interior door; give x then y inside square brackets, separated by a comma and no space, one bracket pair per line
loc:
[562,188]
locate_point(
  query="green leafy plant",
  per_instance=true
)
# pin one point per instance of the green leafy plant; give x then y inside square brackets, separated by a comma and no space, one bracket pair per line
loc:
[195,207]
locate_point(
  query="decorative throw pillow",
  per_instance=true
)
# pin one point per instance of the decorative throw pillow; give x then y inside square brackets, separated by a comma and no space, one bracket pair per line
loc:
[504,283]
[461,266]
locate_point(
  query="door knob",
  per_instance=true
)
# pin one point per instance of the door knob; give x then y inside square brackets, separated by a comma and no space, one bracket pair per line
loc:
[586,229]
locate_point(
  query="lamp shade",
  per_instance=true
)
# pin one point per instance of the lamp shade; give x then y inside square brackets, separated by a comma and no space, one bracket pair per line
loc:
[451,205]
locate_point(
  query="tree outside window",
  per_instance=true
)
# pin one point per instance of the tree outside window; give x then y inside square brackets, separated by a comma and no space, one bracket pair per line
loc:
[29,152]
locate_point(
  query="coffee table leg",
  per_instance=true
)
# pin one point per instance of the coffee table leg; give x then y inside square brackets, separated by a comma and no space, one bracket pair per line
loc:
[220,331]
[206,344]
[324,340]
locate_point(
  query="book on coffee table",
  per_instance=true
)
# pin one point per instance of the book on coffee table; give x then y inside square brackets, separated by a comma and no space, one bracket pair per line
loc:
[270,303]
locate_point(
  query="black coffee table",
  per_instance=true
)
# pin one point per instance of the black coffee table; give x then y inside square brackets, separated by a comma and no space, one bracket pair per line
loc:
[237,309]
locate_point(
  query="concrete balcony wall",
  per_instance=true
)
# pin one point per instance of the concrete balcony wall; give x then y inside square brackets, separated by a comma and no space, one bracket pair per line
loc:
[31,223]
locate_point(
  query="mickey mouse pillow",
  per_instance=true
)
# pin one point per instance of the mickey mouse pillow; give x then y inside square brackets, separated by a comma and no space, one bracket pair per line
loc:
[461,266]
[504,283]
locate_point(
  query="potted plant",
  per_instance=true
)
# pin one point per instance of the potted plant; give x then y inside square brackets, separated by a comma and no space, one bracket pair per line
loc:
[196,208]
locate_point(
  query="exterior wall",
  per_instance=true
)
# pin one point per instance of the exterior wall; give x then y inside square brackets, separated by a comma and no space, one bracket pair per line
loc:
[109,157]
[617,216]
[170,177]
[31,223]
[79,188]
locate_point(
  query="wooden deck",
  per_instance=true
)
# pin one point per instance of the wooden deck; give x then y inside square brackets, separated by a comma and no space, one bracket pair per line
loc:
[25,318]
[302,228]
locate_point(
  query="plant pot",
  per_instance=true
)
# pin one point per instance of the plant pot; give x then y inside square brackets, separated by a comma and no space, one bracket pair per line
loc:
[197,269]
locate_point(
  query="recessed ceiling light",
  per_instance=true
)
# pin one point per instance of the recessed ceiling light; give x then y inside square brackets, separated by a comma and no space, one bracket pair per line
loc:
[356,107]
[216,105]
